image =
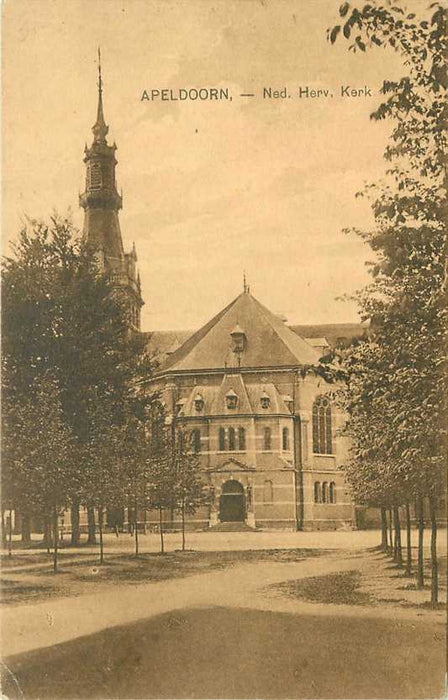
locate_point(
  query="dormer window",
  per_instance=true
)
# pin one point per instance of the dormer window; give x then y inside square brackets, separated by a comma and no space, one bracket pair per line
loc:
[239,339]
[231,399]
[265,401]
[198,403]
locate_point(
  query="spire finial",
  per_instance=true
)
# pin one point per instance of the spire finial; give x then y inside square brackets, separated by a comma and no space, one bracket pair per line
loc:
[100,80]
[246,288]
[100,128]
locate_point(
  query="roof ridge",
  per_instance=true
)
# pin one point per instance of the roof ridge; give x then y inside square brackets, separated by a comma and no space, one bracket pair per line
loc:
[198,335]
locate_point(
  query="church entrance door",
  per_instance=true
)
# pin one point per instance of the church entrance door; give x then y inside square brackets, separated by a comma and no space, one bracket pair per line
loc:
[232,503]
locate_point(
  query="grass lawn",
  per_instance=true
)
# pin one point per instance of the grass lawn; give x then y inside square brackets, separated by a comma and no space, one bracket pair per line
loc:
[239,653]
[341,588]
[84,574]
[377,583]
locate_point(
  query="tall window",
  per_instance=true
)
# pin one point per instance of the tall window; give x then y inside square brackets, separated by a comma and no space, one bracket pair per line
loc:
[325,492]
[332,492]
[285,439]
[222,439]
[317,492]
[267,439]
[231,439]
[268,492]
[196,440]
[95,176]
[181,441]
[322,440]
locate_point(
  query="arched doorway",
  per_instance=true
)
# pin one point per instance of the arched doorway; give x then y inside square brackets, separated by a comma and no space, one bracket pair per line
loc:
[232,502]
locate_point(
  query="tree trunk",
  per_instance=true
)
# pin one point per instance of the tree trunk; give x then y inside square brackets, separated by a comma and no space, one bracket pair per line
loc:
[390,531]
[162,548]
[130,520]
[421,533]
[10,534]
[383,528]
[398,554]
[55,540]
[26,529]
[76,533]
[4,532]
[408,542]
[183,526]
[92,530]
[434,563]
[395,544]
[48,537]
[100,525]
[136,529]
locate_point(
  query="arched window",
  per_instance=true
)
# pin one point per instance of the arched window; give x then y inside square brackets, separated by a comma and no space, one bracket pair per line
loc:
[196,440]
[241,439]
[267,439]
[332,492]
[317,492]
[157,427]
[231,439]
[285,439]
[325,492]
[181,440]
[322,439]
[268,492]
[222,439]
[95,176]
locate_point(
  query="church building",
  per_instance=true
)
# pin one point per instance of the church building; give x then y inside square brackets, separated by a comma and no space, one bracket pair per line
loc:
[243,387]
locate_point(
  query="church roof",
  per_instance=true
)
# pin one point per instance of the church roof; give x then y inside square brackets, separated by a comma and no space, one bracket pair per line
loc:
[248,394]
[161,344]
[336,334]
[268,341]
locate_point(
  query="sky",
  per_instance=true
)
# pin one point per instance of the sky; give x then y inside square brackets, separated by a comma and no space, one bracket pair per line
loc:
[210,188]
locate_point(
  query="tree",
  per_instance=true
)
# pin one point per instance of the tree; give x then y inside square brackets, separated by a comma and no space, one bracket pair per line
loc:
[104,473]
[61,317]
[135,461]
[162,481]
[188,488]
[45,468]
[398,378]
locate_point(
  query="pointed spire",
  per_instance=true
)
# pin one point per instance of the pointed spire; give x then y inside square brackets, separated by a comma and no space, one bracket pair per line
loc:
[100,128]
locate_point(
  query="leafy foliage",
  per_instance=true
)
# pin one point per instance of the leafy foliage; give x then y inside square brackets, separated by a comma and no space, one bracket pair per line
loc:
[397,380]
[63,323]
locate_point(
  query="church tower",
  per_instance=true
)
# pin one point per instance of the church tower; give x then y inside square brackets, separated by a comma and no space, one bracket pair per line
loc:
[101,203]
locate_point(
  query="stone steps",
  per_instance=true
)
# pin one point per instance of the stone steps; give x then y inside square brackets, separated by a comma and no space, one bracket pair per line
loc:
[231,527]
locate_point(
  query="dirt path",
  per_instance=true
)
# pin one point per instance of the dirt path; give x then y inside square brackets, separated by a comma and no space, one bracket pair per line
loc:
[350,540]
[51,622]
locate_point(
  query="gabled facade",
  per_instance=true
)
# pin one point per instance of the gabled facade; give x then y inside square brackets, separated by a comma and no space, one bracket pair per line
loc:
[266,433]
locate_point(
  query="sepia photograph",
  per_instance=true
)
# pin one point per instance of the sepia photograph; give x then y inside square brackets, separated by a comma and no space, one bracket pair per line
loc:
[224,282]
